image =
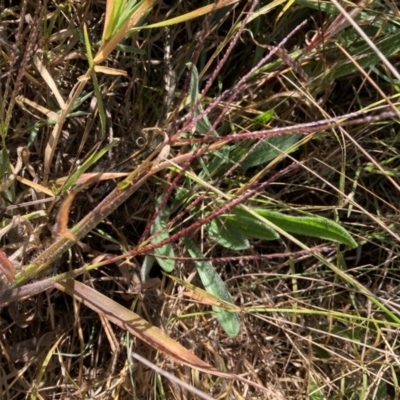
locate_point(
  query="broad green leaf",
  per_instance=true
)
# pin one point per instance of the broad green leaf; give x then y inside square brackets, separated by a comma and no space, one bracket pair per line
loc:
[204,126]
[266,151]
[73,113]
[130,49]
[313,226]
[384,76]
[252,227]
[387,25]
[214,285]
[227,234]
[79,101]
[319,6]
[167,264]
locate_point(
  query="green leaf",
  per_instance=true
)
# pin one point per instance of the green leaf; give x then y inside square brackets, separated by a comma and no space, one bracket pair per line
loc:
[217,164]
[125,13]
[5,171]
[383,390]
[167,264]
[320,351]
[34,131]
[121,12]
[344,332]
[227,234]
[252,227]
[266,151]
[147,265]
[316,393]
[130,49]
[214,285]
[313,226]
[204,125]
[4,163]
[324,7]
[265,117]
[365,57]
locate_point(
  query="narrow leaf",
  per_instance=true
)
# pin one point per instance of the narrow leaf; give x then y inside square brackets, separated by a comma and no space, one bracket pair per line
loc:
[92,159]
[4,163]
[147,265]
[389,46]
[265,151]
[167,264]
[313,226]
[214,285]
[204,125]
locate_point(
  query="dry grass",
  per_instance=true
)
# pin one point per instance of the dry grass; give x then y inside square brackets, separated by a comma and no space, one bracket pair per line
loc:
[320,324]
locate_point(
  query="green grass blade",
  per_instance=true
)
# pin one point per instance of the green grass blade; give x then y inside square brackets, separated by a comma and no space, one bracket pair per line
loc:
[86,165]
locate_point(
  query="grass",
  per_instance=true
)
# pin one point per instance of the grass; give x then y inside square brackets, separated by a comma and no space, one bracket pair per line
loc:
[249,246]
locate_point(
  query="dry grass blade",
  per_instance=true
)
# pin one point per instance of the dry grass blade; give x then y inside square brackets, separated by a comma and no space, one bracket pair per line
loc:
[140,328]
[55,134]
[172,378]
[49,80]
[7,267]
[109,45]
[22,101]
[338,24]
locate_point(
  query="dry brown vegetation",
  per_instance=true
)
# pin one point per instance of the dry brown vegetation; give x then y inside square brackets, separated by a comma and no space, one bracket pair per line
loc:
[319,317]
